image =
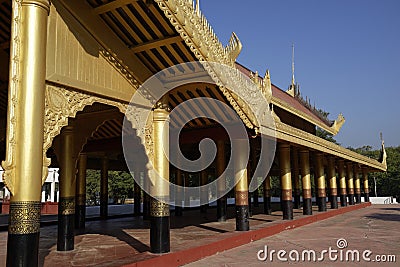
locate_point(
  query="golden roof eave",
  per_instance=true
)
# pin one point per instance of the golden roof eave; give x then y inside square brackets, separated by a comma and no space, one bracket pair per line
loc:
[199,36]
[332,129]
[299,137]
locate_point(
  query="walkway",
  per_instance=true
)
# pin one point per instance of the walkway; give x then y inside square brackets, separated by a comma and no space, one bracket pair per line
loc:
[125,241]
[375,228]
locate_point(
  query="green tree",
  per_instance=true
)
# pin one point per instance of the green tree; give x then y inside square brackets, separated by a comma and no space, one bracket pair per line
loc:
[387,183]
[120,185]
[92,186]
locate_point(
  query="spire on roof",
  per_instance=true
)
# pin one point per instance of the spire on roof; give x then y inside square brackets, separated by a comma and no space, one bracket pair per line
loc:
[293,82]
[293,87]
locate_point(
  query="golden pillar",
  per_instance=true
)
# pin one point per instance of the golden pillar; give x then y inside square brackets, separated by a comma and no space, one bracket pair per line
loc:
[250,206]
[66,205]
[241,188]
[350,183]
[104,189]
[159,210]
[179,192]
[221,183]
[320,178]
[357,184]
[286,181]
[296,179]
[267,195]
[80,208]
[306,181]
[146,196]
[342,183]
[24,164]
[332,182]
[365,182]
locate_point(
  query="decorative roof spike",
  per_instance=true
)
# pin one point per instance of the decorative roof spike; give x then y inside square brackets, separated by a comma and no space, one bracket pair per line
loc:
[293,81]
[267,86]
[235,46]
[198,7]
[382,157]
[338,123]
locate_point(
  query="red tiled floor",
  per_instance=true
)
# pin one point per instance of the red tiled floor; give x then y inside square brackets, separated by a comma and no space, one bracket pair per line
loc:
[122,241]
[374,228]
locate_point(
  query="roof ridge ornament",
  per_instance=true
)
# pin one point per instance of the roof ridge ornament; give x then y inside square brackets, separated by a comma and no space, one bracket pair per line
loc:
[197,7]
[337,124]
[382,157]
[293,89]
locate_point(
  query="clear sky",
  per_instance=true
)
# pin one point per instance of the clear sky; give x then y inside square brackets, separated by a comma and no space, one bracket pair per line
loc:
[347,56]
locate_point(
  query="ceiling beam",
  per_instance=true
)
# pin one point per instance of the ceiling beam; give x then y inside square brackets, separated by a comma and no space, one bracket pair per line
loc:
[156,43]
[112,6]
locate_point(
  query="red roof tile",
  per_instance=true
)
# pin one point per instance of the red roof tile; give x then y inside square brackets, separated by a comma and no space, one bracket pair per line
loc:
[285,97]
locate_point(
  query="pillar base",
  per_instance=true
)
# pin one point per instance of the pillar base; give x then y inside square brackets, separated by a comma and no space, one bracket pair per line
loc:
[317,200]
[287,209]
[221,209]
[307,206]
[178,211]
[296,202]
[80,216]
[136,207]
[103,211]
[358,198]
[242,218]
[159,234]
[343,200]
[321,204]
[255,198]
[366,197]
[334,202]
[23,249]
[65,237]
[351,199]
[267,206]
[250,207]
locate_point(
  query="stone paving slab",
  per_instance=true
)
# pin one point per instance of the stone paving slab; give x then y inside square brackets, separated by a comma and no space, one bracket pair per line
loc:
[375,228]
[125,241]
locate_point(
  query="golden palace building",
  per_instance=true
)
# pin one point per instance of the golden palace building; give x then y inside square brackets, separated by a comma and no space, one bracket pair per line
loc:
[68,72]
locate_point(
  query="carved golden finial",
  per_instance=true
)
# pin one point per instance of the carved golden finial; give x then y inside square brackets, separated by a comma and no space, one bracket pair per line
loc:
[382,157]
[338,123]
[292,87]
[293,81]
[198,7]
[267,86]
[234,47]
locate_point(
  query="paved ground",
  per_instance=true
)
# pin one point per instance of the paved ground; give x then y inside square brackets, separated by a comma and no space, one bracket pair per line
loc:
[376,228]
[116,242]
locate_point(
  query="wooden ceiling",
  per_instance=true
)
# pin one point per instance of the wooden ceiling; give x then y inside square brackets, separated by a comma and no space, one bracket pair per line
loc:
[145,31]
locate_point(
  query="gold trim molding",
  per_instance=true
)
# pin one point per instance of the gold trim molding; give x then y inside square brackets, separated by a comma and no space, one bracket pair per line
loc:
[198,35]
[296,136]
[158,208]
[67,205]
[24,217]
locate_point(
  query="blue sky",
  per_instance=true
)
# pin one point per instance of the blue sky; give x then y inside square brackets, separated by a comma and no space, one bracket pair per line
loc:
[347,56]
